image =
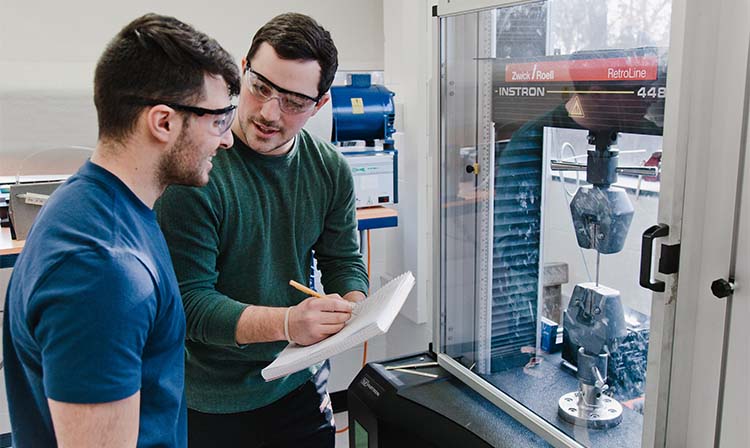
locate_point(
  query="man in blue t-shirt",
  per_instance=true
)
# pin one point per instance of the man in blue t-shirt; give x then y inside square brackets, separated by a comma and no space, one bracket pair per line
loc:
[94,325]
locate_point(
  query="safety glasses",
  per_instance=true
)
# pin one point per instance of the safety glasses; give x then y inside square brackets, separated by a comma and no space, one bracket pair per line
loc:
[221,119]
[289,102]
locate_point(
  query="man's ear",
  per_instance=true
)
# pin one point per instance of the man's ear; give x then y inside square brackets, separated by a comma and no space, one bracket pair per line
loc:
[321,102]
[161,122]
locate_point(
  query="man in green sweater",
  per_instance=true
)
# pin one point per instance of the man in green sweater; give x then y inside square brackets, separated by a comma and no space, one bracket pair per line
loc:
[273,198]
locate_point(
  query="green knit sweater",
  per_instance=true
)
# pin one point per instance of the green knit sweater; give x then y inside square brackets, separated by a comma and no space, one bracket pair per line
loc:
[238,241]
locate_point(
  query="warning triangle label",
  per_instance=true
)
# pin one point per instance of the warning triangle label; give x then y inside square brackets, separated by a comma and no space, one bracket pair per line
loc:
[574,108]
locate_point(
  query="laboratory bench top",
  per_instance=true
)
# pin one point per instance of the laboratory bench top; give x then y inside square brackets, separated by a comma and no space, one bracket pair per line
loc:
[367,218]
[376,217]
[9,248]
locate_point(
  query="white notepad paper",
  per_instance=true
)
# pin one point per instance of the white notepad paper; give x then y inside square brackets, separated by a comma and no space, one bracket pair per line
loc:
[371,317]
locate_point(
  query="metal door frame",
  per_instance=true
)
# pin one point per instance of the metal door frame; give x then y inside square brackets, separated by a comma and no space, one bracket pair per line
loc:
[702,130]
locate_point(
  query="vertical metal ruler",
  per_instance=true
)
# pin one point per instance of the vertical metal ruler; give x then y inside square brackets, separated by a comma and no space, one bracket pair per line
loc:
[485,187]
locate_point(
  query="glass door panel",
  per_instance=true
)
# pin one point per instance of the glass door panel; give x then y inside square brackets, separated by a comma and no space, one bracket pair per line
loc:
[551,127]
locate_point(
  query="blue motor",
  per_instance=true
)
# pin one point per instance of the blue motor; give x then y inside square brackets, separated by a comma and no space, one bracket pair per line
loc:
[362,111]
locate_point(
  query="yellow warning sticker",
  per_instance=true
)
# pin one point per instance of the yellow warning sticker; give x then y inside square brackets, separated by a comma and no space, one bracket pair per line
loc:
[358,106]
[574,108]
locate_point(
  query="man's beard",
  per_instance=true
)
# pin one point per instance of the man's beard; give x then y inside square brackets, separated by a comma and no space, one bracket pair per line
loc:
[179,165]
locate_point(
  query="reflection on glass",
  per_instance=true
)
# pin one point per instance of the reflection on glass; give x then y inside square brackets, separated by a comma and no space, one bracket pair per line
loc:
[550,111]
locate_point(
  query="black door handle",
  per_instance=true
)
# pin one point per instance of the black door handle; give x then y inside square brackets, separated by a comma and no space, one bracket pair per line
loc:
[647,246]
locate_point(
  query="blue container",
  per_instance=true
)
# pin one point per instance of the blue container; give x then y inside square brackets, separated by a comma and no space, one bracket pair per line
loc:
[362,111]
[548,340]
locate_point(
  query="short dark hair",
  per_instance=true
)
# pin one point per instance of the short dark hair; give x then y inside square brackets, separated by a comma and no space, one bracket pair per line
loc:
[160,58]
[296,36]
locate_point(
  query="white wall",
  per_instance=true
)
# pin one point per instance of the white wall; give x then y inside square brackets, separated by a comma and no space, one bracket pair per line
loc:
[408,65]
[408,70]
[48,51]
[54,45]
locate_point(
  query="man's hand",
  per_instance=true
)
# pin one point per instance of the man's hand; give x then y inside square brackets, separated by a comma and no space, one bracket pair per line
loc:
[317,318]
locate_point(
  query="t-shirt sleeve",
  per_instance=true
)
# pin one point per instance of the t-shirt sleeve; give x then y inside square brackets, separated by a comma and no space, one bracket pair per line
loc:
[91,317]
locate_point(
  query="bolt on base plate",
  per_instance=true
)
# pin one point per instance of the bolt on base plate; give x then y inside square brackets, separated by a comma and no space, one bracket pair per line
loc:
[572,409]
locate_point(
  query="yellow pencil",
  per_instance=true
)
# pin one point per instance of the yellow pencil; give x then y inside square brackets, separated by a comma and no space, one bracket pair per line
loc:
[303,288]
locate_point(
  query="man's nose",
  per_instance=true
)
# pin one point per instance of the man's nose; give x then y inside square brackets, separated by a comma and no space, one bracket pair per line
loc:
[227,140]
[271,110]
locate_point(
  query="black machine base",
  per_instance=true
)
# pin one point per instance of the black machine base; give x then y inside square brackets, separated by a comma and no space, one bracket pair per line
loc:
[390,408]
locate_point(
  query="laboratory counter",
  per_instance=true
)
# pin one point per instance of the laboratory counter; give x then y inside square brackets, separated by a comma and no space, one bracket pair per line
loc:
[9,248]
[367,218]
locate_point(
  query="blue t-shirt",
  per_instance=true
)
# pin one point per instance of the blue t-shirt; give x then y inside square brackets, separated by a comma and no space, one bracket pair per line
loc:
[93,314]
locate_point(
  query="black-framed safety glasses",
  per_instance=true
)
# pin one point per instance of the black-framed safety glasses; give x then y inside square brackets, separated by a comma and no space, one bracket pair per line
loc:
[222,118]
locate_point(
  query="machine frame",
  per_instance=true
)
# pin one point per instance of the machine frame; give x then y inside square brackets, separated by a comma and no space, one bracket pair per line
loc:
[663,309]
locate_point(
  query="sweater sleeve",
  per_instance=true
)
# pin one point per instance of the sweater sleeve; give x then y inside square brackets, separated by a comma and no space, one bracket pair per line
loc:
[190,219]
[337,249]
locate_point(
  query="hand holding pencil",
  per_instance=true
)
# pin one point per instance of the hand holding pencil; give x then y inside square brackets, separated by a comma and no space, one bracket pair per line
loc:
[302,288]
[317,317]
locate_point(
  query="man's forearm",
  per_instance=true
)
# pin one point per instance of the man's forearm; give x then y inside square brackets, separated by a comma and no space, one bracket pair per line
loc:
[310,321]
[260,324]
[354,296]
[113,424]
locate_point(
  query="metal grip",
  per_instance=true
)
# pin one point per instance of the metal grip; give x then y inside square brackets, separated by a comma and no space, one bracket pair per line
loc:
[564,165]
[647,245]
[638,170]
